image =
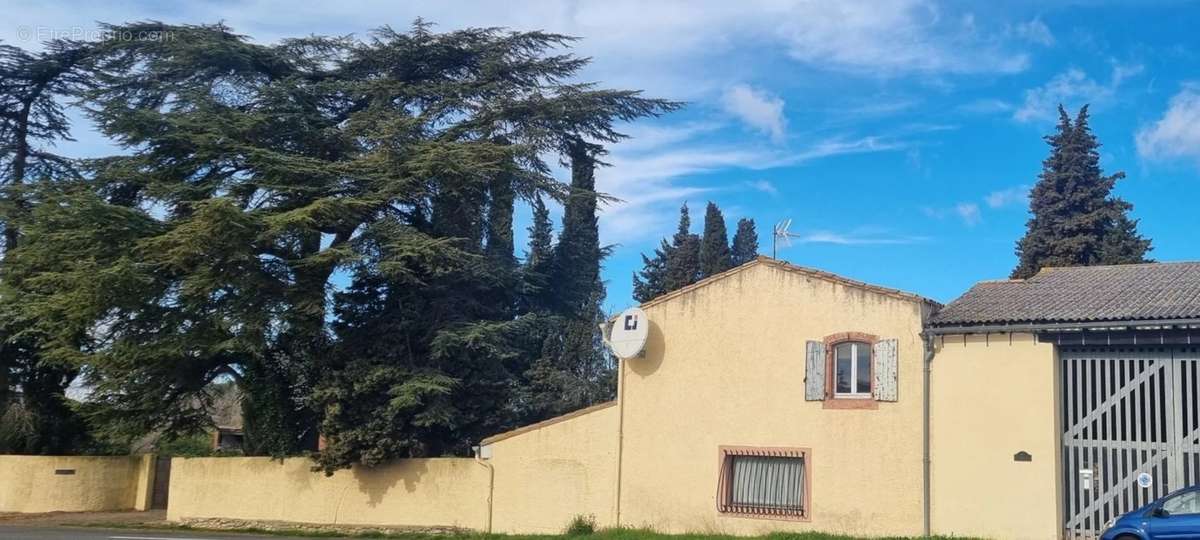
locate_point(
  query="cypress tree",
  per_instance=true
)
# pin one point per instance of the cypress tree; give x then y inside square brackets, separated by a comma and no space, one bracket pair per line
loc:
[577,255]
[1076,221]
[714,245]
[745,243]
[683,262]
[541,241]
[650,281]
[501,201]
[535,272]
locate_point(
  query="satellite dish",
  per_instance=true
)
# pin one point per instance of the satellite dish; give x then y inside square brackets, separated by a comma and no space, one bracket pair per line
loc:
[629,331]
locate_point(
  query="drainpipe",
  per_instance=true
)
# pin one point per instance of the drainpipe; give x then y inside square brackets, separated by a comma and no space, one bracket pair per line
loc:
[491,484]
[925,462]
[620,439]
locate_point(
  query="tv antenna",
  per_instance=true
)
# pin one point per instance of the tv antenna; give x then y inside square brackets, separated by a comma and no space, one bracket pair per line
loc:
[781,233]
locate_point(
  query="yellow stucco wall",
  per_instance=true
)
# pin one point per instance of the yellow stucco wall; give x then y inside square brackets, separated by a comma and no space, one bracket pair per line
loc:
[725,365]
[993,396]
[440,492]
[28,484]
[548,475]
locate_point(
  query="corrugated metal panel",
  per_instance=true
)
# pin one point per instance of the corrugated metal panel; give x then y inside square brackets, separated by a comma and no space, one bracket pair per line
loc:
[814,372]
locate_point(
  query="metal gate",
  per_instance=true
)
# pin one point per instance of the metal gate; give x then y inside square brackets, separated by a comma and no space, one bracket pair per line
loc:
[1131,417]
[162,483]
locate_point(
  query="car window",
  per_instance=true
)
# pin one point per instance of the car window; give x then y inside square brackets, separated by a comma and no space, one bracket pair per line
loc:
[1184,503]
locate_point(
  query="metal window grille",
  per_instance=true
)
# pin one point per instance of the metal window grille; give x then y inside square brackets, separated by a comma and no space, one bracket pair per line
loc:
[763,483]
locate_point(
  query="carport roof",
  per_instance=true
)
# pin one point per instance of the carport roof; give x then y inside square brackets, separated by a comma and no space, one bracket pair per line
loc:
[1125,293]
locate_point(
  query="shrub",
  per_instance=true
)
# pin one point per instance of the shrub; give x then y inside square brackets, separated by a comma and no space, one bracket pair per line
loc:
[582,526]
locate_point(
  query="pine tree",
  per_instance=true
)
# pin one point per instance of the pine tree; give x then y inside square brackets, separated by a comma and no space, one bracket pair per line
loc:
[34,86]
[714,245]
[252,172]
[1076,220]
[683,262]
[1123,244]
[745,243]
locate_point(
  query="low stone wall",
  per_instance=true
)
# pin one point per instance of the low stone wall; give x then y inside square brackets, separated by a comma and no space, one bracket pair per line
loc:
[35,484]
[424,493]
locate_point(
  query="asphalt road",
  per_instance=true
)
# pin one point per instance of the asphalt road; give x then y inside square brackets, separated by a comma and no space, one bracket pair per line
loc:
[73,533]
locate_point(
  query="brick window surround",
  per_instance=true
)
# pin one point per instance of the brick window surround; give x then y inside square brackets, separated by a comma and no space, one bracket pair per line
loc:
[831,343]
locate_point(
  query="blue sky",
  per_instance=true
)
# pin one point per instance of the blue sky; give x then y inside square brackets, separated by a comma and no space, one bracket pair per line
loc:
[900,136]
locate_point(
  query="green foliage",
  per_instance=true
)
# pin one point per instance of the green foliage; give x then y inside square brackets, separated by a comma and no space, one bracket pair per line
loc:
[683,261]
[715,256]
[195,445]
[581,525]
[251,174]
[688,258]
[1076,221]
[33,89]
[536,294]
[577,255]
[745,243]
[650,281]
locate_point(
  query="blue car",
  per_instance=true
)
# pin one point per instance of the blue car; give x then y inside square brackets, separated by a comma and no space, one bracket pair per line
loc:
[1176,516]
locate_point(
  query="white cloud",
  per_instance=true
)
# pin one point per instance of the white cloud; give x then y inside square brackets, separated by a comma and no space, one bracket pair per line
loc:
[1034,31]
[986,106]
[840,145]
[890,37]
[651,181]
[1005,197]
[1072,88]
[764,186]
[757,108]
[1177,134]
[971,213]
[968,212]
[857,237]
[660,46]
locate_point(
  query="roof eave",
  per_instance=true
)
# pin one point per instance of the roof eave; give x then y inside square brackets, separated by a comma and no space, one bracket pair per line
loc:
[1045,326]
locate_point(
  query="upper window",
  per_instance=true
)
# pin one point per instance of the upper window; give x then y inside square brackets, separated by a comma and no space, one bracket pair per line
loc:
[1184,503]
[852,370]
[767,482]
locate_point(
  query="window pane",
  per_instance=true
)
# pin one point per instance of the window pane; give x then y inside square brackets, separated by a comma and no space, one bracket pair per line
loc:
[1186,503]
[864,368]
[844,362]
[767,482]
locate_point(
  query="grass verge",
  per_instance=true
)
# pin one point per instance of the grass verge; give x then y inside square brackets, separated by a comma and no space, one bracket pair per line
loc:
[605,534]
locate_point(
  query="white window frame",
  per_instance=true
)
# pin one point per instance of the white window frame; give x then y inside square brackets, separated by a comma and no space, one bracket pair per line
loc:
[854,345]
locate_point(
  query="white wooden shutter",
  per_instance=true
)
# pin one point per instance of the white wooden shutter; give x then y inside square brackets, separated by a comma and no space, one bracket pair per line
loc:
[814,372]
[887,371]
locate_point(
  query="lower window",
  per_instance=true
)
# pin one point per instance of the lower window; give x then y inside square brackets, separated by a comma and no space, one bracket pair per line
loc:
[764,482]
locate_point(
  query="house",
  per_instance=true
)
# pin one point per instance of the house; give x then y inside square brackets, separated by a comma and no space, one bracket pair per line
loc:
[719,403]
[773,397]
